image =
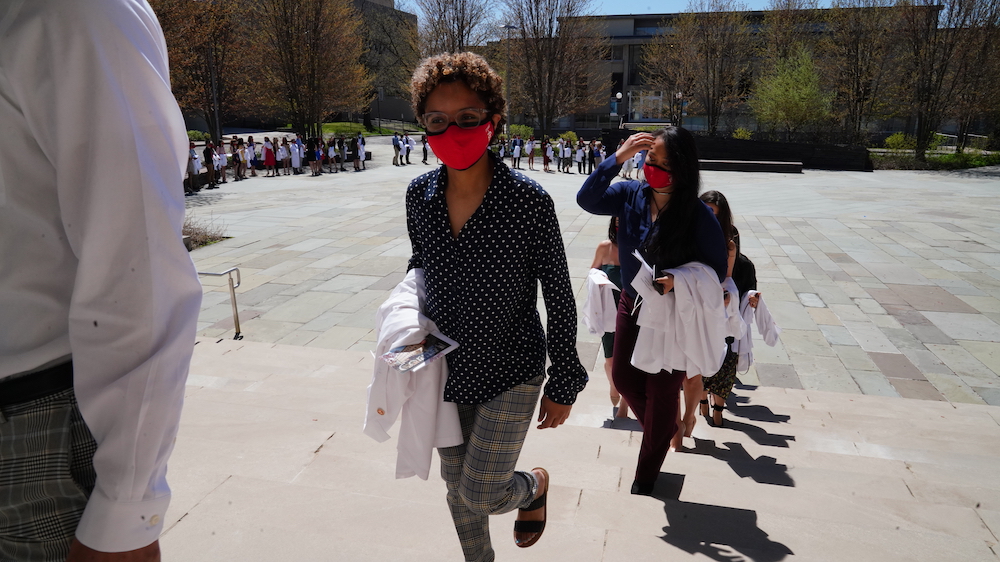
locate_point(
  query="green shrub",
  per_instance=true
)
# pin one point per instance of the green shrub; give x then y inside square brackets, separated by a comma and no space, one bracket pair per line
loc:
[937,142]
[525,131]
[646,129]
[958,161]
[900,141]
[570,136]
[897,162]
[198,136]
[742,134]
[962,160]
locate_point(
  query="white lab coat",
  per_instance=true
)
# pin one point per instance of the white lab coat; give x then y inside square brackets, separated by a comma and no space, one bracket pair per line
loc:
[683,330]
[417,396]
[600,310]
[735,326]
[765,325]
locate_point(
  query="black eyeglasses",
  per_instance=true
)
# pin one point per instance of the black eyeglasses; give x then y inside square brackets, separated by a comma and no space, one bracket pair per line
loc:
[437,122]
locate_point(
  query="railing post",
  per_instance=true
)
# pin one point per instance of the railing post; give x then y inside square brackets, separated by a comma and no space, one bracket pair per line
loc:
[232,294]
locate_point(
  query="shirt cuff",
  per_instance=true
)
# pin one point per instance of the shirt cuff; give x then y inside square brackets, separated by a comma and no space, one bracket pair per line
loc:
[564,389]
[110,526]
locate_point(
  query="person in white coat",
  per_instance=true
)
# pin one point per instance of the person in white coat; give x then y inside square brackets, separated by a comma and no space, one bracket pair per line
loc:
[606,260]
[664,218]
[740,271]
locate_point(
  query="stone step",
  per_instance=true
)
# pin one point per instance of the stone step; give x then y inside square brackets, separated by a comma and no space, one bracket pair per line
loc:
[270,463]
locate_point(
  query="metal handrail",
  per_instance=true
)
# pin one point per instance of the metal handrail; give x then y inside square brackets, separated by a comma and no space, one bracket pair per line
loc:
[232,294]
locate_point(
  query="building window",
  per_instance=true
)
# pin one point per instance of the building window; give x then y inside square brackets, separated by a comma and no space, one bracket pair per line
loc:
[648,27]
[635,64]
[615,53]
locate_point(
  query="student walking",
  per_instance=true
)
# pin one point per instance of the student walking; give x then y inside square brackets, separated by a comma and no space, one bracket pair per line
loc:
[664,219]
[480,272]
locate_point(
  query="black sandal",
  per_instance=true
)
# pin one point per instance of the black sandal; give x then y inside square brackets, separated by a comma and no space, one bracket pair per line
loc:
[536,527]
[704,407]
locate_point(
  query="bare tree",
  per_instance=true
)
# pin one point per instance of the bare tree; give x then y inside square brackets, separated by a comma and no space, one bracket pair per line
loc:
[931,34]
[556,48]
[788,25]
[453,26]
[392,50]
[207,74]
[316,56]
[860,61]
[706,56]
[978,68]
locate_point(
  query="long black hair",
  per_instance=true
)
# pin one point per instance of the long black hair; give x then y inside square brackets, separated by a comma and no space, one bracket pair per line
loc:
[671,241]
[725,214]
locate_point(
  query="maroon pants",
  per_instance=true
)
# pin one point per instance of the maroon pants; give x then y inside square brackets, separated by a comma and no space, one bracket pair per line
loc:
[653,398]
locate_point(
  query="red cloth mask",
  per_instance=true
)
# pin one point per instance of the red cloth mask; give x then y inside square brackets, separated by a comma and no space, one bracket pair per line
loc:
[460,148]
[657,177]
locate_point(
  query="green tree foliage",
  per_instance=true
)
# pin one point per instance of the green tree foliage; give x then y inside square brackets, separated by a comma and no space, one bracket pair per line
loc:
[525,131]
[790,96]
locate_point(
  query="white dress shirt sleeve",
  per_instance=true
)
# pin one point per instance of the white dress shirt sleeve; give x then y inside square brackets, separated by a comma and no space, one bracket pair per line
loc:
[96,221]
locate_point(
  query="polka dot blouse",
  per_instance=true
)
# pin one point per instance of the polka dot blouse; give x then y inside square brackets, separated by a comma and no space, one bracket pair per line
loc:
[482,288]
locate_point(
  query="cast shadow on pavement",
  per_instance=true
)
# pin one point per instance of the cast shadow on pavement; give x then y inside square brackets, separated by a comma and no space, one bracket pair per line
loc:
[740,407]
[721,533]
[763,469]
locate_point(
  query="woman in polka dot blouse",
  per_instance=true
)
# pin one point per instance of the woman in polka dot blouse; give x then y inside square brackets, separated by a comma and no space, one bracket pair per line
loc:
[485,237]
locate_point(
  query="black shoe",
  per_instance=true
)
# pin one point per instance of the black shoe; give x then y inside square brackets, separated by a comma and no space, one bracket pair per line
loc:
[640,489]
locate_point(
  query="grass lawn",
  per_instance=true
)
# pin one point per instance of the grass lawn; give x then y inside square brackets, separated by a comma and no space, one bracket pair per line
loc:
[349,128]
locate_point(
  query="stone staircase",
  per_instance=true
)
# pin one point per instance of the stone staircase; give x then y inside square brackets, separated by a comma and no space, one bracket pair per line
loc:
[270,464]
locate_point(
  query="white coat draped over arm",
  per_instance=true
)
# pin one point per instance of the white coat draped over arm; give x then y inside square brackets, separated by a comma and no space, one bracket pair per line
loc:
[415,396]
[600,310]
[685,329]
[760,316]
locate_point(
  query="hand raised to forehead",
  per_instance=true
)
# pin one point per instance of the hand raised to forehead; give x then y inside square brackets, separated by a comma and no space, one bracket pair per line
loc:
[632,145]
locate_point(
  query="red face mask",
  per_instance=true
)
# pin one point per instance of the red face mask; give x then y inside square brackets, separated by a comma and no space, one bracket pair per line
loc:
[460,148]
[656,177]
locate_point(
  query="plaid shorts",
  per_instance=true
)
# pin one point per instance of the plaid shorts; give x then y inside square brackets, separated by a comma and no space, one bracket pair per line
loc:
[46,477]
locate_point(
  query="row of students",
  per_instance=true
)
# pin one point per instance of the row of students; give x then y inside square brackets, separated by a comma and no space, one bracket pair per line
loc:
[483,240]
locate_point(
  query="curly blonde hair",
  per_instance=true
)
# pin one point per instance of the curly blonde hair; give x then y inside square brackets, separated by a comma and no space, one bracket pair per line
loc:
[470,68]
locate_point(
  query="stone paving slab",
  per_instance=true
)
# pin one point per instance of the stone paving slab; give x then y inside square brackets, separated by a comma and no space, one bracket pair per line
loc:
[901,265]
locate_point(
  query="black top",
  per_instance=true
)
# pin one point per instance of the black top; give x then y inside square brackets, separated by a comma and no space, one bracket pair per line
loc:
[482,288]
[744,272]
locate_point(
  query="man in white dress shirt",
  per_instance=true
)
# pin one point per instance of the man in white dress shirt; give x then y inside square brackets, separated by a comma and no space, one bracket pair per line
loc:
[98,298]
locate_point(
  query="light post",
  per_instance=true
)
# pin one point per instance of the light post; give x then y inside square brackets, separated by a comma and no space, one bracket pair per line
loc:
[506,82]
[621,122]
[679,96]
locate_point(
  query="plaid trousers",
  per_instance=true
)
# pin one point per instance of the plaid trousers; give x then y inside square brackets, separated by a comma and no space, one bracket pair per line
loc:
[480,472]
[46,477]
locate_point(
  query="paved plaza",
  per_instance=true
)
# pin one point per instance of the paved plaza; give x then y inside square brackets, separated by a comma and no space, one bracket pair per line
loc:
[870,432]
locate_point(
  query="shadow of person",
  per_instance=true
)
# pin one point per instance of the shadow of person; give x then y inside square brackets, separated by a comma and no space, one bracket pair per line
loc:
[739,406]
[763,469]
[726,534]
[759,434]
[624,424]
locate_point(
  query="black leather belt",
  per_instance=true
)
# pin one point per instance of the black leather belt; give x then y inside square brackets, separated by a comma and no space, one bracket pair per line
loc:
[36,385]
